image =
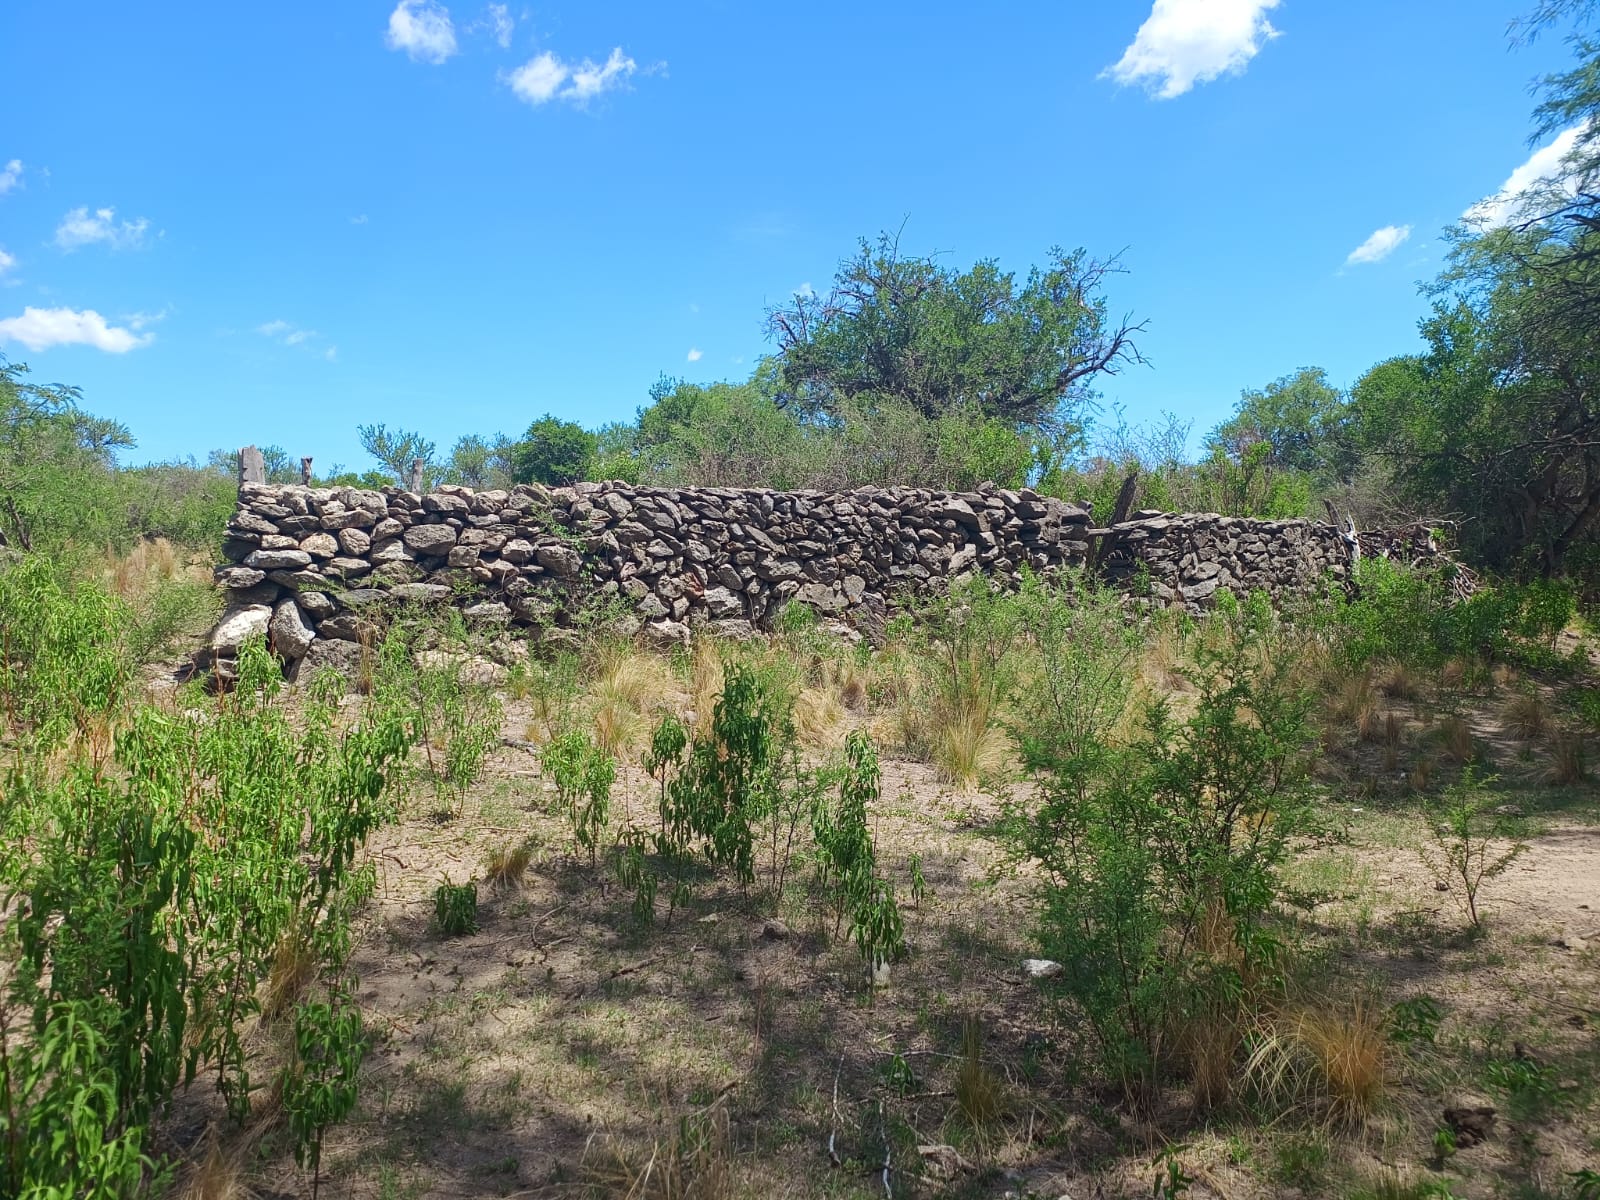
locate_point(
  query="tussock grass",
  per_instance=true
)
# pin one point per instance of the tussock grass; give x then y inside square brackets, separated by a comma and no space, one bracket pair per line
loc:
[693,1162]
[629,686]
[978,1089]
[293,969]
[1455,740]
[1527,716]
[217,1174]
[1323,1057]
[819,718]
[1568,760]
[1353,707]
[506,865]
[1399,681]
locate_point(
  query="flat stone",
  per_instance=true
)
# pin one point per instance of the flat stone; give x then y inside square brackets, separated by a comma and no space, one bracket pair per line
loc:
[355,542]
[320,545]
[429,540]
[278,560]
[237,626]
[317,605]
[237,577]
[420,593]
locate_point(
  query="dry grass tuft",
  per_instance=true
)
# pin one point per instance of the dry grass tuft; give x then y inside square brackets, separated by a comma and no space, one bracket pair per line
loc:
[629,685]
[1456,741]
[1349,1048]
[1323,1058]
[705,682]
[293,969]
[1568,760]
[693,1162]
[215,1175]
[1399,681]
[819,718]
[1210,1038]
[1421,773]
[1527,716]
[966,745]
[978,1089]
[1354,706]
[506,865]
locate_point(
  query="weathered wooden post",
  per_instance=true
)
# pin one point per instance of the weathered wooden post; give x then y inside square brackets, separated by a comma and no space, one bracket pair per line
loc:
[416,475]
[305,470]
[252,467]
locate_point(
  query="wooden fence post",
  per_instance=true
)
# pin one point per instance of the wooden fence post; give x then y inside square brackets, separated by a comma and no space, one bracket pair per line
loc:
[252,467]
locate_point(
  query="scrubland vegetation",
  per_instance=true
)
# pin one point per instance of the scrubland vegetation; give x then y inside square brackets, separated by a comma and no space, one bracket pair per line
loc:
[1054,893]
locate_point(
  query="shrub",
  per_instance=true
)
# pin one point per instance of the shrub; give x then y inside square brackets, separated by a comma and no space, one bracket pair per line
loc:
[1140,844]
[455,908]
[1465,854]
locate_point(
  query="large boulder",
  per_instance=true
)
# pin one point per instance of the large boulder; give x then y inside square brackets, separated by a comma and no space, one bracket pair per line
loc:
[290,631]
[236,627]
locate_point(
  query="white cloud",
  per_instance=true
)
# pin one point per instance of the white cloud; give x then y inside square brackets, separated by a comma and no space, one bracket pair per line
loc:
[287,333]
[42,328]
[805,292]
[1380,245]
[695,354]
[1545,165]
[1185,42]
[359,219]
[545,77]
[137,321]
[423,30]
[7,261]
[331,353]
[80,227]
[498,22]
[10,175]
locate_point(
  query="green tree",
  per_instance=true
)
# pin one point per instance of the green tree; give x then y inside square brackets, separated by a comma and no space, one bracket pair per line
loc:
[1300,418]
[1497,422]
[479,462]
[397,449]
[554,452]
[910,329]
[56,464]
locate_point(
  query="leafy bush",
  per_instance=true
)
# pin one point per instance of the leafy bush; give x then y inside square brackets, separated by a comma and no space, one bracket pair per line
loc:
[455,908]
[1159,854]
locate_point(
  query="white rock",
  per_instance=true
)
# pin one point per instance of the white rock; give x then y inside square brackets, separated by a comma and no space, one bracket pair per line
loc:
[1041,968]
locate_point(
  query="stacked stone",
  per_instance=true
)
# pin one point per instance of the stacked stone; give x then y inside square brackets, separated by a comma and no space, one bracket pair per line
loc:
[1188,558]
[307,566]
[312,568]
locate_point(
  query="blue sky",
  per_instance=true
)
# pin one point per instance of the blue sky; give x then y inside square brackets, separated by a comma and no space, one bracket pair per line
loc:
[270,223]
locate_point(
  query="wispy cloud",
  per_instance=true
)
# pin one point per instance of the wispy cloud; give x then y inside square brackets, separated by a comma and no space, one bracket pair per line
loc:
[42,328]
[10,176]
[1382,243]
[359,219]
[422,29]
[7,261]
[1546,165]
[80,227]
[1185,42]
[286,332]
[805,292]
[545,77]
[695,354]
[498,23]
[141,320]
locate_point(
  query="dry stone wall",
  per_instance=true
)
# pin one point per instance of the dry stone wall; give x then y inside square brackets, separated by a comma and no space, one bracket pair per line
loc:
[313,568]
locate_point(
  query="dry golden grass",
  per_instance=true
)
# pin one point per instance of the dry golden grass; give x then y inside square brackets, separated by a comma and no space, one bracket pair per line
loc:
[965,743]
[1399,681]
[1323,1058]
[1455,739]
[1210,1037]
[819,718]
[216,1174]
[294,967]
[506,865]
[1568,760]
[693,1162]
[138,572]
[1353,706]
[705,682]
[978,1089]
[628,686]
[1527,716]
[1349,1047]
[1421,773]
[1161,665]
